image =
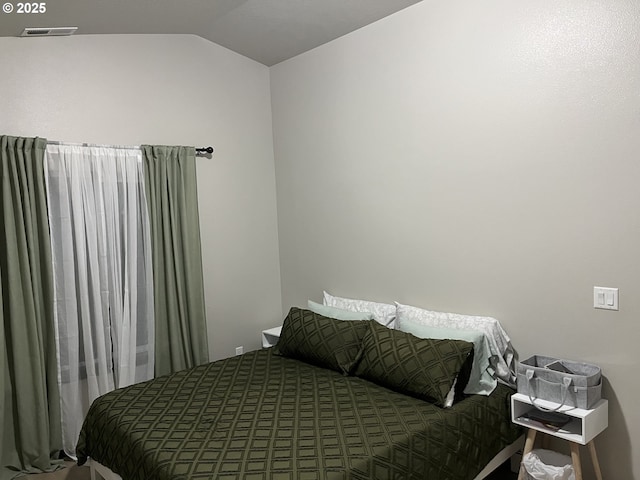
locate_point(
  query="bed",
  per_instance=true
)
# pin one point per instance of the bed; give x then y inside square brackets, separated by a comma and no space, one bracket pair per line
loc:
[272,415]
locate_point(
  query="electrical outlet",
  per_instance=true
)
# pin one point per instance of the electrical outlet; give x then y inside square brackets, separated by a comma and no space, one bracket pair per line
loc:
[239,350]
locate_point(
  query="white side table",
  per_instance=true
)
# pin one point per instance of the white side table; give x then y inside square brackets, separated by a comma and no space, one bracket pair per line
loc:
[270,337]
[582,429]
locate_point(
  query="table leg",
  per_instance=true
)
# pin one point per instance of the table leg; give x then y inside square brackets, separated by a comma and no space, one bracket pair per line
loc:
[575,460]
[528,446]
[594,459]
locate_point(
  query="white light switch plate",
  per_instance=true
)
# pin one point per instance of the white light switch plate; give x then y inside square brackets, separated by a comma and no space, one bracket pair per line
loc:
[605,298]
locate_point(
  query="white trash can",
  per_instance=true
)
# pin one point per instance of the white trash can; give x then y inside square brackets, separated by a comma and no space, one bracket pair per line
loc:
[542,464]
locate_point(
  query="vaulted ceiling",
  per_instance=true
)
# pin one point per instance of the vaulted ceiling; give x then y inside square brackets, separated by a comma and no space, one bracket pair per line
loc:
[268,31]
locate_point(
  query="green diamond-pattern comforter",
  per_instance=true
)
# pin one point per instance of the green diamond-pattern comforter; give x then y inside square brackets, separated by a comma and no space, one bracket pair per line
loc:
[264,417]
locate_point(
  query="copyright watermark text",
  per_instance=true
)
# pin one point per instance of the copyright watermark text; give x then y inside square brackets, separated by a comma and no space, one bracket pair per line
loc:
[24,8]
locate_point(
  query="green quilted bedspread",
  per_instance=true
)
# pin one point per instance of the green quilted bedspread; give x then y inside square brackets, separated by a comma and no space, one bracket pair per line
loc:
[263,417]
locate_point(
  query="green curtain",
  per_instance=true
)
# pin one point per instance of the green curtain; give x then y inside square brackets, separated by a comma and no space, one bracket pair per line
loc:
[29,400]
[170,181]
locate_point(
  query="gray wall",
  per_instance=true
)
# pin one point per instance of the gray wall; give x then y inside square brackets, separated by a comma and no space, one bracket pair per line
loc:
[175,90]
[480,158]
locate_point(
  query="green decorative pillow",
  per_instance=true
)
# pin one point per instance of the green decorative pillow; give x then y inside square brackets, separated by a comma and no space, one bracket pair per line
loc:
[325,342]
[421,367]
[481,380]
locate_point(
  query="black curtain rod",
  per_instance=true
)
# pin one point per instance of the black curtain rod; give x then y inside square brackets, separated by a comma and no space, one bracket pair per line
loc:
[204,150]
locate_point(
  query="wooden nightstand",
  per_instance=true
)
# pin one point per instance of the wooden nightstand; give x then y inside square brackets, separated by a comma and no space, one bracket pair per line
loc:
[270,337]
[582,429]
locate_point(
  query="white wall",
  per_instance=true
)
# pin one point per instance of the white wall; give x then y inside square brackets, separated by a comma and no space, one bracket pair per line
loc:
[170,90]
[476,157]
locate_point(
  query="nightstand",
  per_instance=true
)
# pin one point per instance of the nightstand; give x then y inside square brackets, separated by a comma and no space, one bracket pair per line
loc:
[583,427]
[270,337]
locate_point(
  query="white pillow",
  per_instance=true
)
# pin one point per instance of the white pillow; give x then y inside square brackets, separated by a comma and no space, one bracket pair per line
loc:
[338,313]
[502,357]
[383,313]
[481,380]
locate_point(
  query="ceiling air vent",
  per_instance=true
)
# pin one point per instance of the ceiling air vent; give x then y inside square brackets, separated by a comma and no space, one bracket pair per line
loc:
[48,31]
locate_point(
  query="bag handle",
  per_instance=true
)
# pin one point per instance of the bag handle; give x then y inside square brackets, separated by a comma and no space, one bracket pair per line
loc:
[566,382]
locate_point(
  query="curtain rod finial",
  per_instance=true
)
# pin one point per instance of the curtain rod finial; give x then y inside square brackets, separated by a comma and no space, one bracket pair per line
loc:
[204,151]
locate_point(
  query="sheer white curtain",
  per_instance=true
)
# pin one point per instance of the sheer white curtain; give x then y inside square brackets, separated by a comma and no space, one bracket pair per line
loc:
[102,274]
